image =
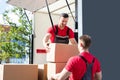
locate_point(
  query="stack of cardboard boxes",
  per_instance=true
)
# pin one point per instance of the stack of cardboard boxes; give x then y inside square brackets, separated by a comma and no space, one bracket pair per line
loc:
[56,60]
[23,72]
[42,72]
[19,72]
[58,56]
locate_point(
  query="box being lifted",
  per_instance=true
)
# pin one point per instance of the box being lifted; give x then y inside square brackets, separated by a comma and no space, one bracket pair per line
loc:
[18,72]
[54,68]
[61,52]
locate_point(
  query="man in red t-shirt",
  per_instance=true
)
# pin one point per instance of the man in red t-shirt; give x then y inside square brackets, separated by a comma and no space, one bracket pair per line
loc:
[76,66]
[60,33]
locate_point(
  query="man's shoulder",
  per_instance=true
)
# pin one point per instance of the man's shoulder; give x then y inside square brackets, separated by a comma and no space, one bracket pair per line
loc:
[68,28]
[74,57]
[51,27]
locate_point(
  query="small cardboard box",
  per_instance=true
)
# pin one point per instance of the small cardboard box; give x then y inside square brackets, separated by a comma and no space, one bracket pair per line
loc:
[54,68]
[42,72]
[61,52]
[19,72]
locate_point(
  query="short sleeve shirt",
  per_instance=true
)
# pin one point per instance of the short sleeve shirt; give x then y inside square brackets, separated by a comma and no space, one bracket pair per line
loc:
[62,32]
[77,66]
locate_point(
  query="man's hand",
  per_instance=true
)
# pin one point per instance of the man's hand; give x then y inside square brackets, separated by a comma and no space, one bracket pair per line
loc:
[47,47]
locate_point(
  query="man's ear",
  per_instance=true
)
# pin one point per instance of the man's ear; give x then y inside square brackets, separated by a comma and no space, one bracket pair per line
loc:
[81,44]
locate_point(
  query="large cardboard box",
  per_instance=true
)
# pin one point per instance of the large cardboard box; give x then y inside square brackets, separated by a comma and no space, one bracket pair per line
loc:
[54,68]
[42,72]
[19,72]
[61,52]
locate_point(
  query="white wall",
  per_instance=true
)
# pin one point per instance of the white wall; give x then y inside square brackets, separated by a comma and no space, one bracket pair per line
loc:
[41,24]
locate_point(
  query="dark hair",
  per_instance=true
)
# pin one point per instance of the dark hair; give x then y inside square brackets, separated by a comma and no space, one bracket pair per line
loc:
[65,15]
[86,39]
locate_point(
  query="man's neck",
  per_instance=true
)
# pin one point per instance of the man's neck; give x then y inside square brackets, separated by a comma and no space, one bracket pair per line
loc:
[61,27]
[84,50]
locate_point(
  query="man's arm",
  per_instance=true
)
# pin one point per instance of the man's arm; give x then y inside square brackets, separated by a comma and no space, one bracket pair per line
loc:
[98,76]
[73,41]
[46,39]
[61,76]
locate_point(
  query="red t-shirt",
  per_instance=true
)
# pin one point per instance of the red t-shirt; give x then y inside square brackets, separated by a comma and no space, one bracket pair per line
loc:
[62,32]
[77,66]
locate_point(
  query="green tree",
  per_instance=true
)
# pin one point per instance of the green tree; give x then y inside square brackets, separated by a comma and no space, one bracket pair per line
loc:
[16,41]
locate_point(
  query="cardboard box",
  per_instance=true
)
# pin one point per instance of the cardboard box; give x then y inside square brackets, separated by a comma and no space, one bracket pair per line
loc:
[54,68]
[19,72]
[42,72]
[61,52]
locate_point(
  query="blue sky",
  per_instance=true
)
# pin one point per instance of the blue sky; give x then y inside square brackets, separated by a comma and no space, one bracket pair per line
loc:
[4,6]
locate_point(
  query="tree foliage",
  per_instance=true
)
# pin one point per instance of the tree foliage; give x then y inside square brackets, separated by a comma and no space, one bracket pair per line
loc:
[17,41]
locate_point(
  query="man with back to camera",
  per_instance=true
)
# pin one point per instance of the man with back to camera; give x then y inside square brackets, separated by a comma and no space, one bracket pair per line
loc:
[76,66]
[61,32]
